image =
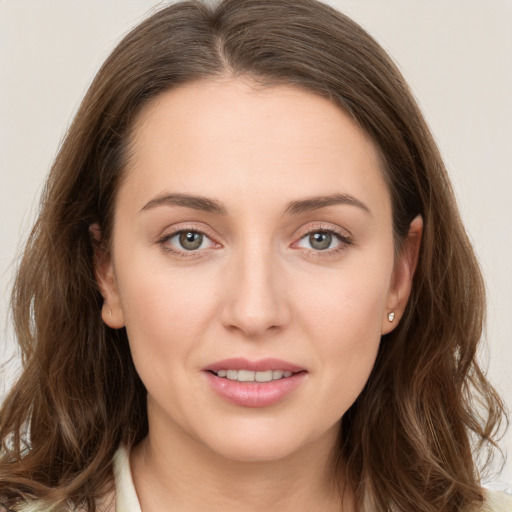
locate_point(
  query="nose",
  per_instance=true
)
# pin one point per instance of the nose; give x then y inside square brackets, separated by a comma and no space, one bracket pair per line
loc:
[255,302]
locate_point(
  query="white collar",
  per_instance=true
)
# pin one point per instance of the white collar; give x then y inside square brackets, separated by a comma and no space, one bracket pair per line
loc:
[127,500]
[126,497]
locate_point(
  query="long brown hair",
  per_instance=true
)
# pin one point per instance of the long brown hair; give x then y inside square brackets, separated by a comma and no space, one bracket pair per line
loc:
[409,441]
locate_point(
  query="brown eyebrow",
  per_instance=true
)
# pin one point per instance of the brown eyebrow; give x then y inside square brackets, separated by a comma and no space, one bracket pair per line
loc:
[214,206]
[315,203]
[188,201]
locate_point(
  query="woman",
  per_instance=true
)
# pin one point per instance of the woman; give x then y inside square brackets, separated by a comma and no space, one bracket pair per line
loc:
[248,285]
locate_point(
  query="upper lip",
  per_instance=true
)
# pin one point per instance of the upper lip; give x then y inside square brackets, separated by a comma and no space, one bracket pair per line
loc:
[260,365]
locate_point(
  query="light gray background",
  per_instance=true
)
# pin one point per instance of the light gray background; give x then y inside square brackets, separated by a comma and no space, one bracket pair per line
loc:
[456,55]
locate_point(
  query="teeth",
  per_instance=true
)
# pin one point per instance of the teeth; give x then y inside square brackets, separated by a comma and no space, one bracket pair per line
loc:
[263,376]
[245,376]
[251,376]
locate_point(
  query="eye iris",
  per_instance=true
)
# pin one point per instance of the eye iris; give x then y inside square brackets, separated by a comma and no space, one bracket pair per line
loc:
[191,240]
[320,241]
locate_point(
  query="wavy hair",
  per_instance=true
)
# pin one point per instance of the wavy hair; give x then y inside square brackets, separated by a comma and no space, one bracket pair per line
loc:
[411,439]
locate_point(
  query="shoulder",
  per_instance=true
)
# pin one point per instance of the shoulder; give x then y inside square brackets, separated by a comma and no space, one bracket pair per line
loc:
[37,506]
[33,506]
[496,501]
[27,507]
[105,504]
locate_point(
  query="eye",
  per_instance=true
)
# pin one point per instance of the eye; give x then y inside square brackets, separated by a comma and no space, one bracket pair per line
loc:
[323,240]
[320,241]
[186,240]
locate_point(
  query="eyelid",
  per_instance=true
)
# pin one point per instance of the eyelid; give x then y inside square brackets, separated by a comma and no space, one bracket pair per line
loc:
[324,226]
[175,230]
[343,235]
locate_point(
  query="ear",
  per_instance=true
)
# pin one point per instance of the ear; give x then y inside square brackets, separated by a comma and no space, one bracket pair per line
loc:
[111,312]
[403,272]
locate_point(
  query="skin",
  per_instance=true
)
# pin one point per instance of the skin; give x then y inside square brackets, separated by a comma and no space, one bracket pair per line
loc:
[257,287]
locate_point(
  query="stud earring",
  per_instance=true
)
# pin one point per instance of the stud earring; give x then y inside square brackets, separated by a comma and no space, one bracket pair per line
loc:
[391,316]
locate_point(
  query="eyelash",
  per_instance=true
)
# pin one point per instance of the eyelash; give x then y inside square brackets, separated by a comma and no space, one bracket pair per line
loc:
[345,241]
[166,247]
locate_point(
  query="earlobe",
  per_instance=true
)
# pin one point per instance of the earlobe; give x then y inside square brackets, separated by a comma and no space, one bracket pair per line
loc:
[111,311]
[403,273]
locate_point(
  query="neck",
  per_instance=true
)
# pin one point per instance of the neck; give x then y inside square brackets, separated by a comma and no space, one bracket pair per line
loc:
[178,473]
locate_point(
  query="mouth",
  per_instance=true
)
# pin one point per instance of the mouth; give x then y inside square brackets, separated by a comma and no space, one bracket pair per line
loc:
[260,383]
[253,376]
[260,370]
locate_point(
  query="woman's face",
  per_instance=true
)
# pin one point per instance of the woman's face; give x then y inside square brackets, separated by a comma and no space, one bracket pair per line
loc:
[253,267]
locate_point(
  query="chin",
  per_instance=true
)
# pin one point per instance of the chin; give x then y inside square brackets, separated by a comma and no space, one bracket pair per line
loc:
[268,442]
[254,450]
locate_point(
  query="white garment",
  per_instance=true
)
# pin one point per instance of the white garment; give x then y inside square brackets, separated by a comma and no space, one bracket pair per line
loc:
[127,501]
[126,497]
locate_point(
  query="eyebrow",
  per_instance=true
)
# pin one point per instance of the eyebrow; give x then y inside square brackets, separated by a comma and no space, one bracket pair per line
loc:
[188,201]
[294,207]
[315,203]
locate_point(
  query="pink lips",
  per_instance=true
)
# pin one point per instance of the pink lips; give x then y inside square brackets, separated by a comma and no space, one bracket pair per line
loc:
[254,394]
[239,363]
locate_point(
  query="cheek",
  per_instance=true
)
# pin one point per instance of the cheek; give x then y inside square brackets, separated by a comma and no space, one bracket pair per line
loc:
[165,311]
[344,320]
[347,304]
[350,329]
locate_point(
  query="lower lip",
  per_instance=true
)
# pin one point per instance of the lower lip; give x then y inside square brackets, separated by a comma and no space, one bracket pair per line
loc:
[255,394]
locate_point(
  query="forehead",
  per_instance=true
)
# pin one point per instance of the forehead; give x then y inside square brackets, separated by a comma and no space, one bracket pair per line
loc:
[231,137]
